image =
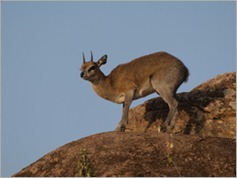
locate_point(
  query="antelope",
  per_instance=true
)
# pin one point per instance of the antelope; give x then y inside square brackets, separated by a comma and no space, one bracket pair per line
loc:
[159,72]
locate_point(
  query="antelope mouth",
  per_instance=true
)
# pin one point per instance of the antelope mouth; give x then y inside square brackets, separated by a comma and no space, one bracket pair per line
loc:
[84,76]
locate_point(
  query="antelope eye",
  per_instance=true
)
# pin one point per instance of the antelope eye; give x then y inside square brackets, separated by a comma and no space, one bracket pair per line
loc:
[91,68]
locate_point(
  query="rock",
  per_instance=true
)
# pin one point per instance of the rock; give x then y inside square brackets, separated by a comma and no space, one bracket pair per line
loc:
[207,110]
[138,154]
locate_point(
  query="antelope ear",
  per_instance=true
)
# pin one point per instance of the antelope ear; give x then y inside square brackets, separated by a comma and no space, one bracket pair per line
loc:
[102,60]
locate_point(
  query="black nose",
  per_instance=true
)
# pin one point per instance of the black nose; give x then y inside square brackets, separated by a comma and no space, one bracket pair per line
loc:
[82,74]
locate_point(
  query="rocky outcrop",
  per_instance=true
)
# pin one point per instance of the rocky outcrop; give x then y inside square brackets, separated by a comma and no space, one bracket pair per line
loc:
[201,144]
[208,110]
[138,154]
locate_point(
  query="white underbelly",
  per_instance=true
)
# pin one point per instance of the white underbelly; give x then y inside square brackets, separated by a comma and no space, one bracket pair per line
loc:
[142,92]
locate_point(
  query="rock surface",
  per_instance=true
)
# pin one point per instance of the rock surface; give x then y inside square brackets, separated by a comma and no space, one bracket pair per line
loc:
[138,154]
[208,110]
[203,144]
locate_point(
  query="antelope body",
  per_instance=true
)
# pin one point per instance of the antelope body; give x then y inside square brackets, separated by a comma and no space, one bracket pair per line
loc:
[158,72]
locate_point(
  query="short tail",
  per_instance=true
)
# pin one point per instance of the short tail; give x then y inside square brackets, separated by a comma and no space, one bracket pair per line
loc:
[186,74]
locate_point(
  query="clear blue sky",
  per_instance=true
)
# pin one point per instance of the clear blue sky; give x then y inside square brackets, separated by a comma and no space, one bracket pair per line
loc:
[45,103]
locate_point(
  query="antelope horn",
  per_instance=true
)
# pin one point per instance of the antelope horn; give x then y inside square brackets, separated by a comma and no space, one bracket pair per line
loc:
[84,60]
[91,57]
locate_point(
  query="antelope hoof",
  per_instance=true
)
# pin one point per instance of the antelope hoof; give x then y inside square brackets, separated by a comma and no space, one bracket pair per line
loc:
[163,128]
[166,128]
[122,128]
[169,128]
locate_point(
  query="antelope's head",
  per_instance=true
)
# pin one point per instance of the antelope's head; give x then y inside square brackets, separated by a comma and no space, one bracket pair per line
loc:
[91,70]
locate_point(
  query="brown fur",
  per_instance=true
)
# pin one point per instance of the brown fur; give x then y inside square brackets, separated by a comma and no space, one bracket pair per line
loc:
[158,72]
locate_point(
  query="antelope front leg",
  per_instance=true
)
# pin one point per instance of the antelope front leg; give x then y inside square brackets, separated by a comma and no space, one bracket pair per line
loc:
[124,121]
[127,100]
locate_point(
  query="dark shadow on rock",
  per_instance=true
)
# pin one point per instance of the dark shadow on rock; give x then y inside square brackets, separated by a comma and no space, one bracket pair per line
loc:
[192,103]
